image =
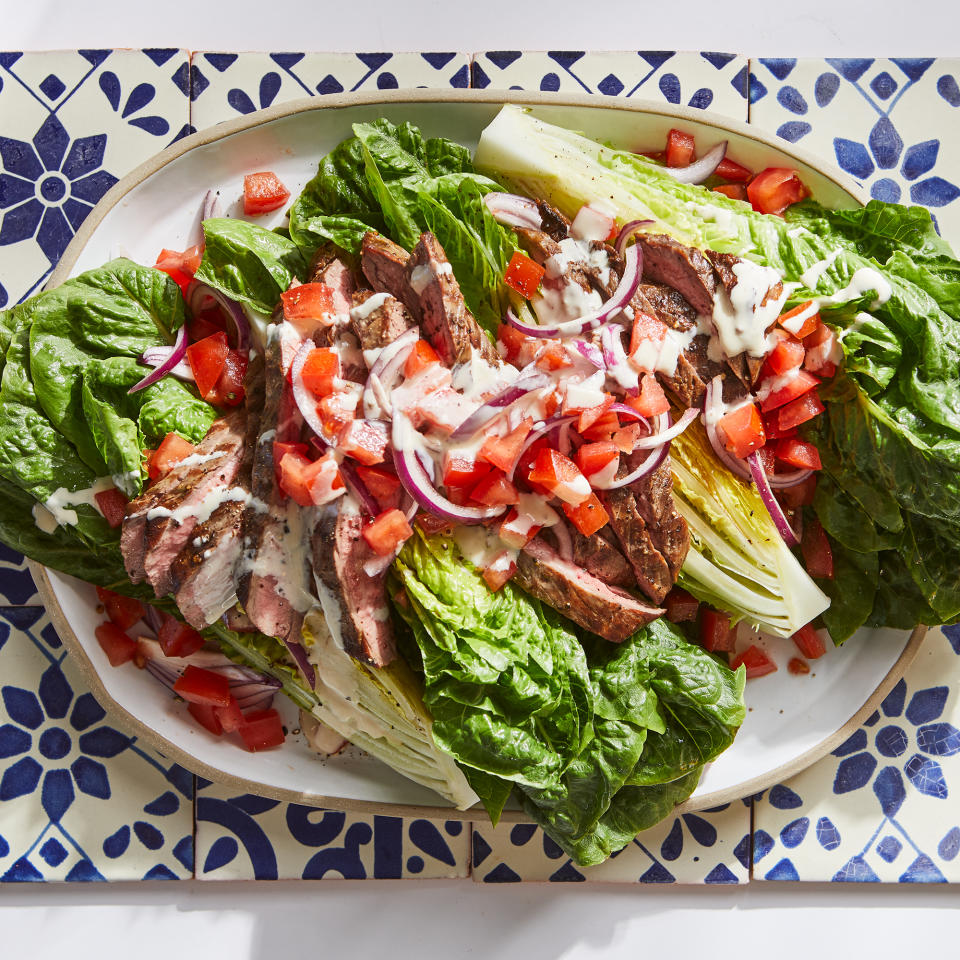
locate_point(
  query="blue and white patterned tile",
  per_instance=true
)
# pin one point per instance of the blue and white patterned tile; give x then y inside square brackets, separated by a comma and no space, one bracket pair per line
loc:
[228,85]
[245,837]
[708,847]
[708,81]
[79,799]
[73,123]
[890,124]
[882,806]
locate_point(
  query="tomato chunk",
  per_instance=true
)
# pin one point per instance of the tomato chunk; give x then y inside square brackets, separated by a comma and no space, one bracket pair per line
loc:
[800,410]
[800,494]
[774,189]
[652,400]
[173,448]
[799,453]
[118,647]
[816,550]
[645,327]
[387,532]
[553,357]
[320,369]
[310,484]
[207,358]
[757,663]
[206,716]
[263,192]
[336,411]
[589,516]
[112,504]
[364,440]
[178,639]
[681,606]
[230,717]
[382,484]
[716,634]
[680,149]
[503,452]
[229,390]
[593,457]
[458,471]
[512,340]
[788,354]
[558,474]
[420,357]
[592,415]
[731,170]
[495,490]
[523,274]
[261,730]
[123,611]
[798,386]
[823,351]
[517,531]
[809,642]
[603,428]
[499,570]
[743,429]
[807,325]
[197,685]
[735,191]
[180,267]
[797,667]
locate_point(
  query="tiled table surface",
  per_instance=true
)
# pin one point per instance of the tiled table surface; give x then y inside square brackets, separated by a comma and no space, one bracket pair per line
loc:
[80,800]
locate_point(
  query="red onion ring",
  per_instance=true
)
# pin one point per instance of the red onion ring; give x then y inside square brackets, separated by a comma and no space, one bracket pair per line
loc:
[629,281]
[665,431]
[651,463]
[698,171]
[770,501]
[626,232]
[785,480]
[513,210]
[154,356]
[211,206]
[483,415]
[177,353]
[238,326]
[384,373]
[305,400]
[590,351]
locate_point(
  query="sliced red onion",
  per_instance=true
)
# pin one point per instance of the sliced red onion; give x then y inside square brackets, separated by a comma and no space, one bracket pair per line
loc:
[299,655]
[155,356]
[590,351]
[698,171]
[535,434]
[629,281]
[417,482]
[358,488]
[712,410]
[615,358]
[177,353]
[785,480]
[482,415]
[626,232]
[665,432]
[238,326]
[383,374]
[211,206]
[650,463]
[513,210]
[305,400]
[770,501]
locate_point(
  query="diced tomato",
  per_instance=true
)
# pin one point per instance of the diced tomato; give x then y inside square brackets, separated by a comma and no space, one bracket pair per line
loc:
[382,484]
[559,474]
[799,453]
[320,369]
[592,415]
[460,472]
[262,729]
[173,448]
[523,274]
[797,667]
[499,570]
[735,191]
[527,459]
[308,301]
[771,427]
[680,149]
[681,606]
[788,354]
[553,357]
[800,494]
[199,328]
[263,192]
[551,402]
[118,647]
[229,390]
[281,449]
[757,663]
[798,386]
[816,550]
[420,357]
[495,490]
[652,400]
[307,483]
[592,457]
[207,358]
[517,531]
[180,267]
[178,639]
[603,428]
[335,412]
[743,430]
[809,642]
[387,532]
[502,452]
[122,611]
[774,189]
[364,440]
[800,410]
[512,339]
[645,327]
[431,524]
[197,685]
[731,170]
[230,716]
[112,504]
[823,351]
[625,439]
[589,516]
[809,324]
[658,156]
[716,634]
[206,716]
[767,458]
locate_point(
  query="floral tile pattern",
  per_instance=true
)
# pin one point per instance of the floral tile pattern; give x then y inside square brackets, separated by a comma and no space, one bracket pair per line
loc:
[888,123]
[712,846]
[252,838]
[72,124]
[714,81]
[64,769]
[228,85]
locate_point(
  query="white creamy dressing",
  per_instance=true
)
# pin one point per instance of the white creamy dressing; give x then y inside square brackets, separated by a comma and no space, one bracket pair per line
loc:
[796,322]
[362,311]
[533,510]
[773,384]
[475,378]
[58,504]
[203,510]
[569,302]
[740,321]
[196,458]
[811,276]
[581,251]
[128,482]
[725,219]
[662,356]
[863,281]
[478,545]
[423,275]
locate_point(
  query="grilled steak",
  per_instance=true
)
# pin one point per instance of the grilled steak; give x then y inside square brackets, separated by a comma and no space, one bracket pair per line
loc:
[554,223]
[377,324]
[654,501]
[684,268]
[383,263]
[435,300]
[160,521]
[598,556]
[602,609]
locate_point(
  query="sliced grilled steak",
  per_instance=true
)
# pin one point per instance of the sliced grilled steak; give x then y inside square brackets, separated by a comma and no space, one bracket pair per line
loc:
[599,557]
[384,264]
[339,553]
[684,268]
[378,319]
[666,304]
[554,223]
[546,251]
[654,502]
[602,609]
[161,519]
[339,278]
[435,300]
